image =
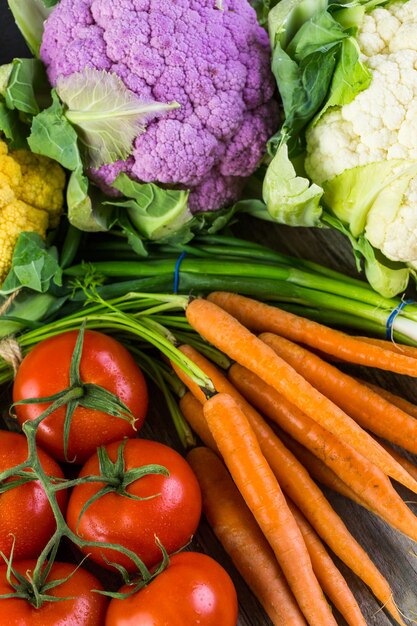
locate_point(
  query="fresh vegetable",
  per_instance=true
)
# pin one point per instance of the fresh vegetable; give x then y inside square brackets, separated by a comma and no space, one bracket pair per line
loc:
[194,589]
[317,469]
[346,75]
[87,417]
[169,125]
[329,577]
[26,519]
[261,491]
[398,401]
[162,506]
[214,62]
[366,406]
[297,484]
[31,198]
[369,482]
[263,318]
[241,537]
[226,333]
[65,596]
[219,262]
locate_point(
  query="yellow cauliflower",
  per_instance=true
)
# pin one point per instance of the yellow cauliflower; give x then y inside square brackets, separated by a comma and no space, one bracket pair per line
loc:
[31,198]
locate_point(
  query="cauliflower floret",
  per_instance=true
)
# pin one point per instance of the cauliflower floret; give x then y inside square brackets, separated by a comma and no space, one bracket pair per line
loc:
[378,125]
[214,62]
[42,185]
[31,198]
[15,218]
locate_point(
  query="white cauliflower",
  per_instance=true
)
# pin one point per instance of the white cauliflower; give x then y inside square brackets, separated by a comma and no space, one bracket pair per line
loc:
[378,126]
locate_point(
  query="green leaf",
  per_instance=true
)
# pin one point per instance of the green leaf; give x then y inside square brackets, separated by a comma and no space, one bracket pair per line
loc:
[13,128]
[53,136]
[350,77]
[385,276]
[290,199]
[262,8]
[304,70]
[33,265]
[134,239]
[26,308]
[5,72]
[315,61]
[28,89]
[108,116]
[376,187]
[156,213]
[30,16]
[88,207]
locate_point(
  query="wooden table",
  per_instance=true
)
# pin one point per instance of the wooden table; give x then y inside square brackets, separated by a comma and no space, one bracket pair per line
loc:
[394,554]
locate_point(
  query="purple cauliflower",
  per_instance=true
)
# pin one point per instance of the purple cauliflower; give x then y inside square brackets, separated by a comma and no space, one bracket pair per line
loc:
[212,58]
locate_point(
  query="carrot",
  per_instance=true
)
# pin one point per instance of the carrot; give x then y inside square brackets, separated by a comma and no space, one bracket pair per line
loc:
[317,469]
[368,408]
[260,489]
[398,348]
[193,413]
[407,465]
[236,528]
[192,410]
[227,334]
[369,482]
[261,317]
[297,484]
[329,577]
[401,403]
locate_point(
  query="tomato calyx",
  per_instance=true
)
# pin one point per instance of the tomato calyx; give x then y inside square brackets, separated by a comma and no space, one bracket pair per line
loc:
[116,478]
[135,582]
[34,587]
[79,393]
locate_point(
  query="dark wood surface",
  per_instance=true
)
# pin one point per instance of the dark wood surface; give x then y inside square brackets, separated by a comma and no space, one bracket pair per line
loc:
[393,553]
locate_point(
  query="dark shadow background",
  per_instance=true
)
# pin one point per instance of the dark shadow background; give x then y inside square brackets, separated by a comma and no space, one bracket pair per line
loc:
[11,41]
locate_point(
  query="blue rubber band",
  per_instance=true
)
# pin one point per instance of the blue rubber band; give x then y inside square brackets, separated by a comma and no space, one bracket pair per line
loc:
[393,315]
[177,272]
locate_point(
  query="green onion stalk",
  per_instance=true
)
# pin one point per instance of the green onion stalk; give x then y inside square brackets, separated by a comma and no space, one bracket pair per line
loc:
[219,262]
[132,314]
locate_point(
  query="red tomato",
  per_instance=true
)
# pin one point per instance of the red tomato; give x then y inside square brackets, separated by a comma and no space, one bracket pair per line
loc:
[85,608]
[25,512]
[172,515]
[194,589]
[105,362]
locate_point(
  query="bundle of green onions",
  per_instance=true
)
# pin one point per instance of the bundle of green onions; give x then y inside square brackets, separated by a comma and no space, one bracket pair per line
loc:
[231,264]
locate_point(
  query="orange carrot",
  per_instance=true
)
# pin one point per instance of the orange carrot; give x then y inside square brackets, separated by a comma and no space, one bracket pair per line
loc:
[193,412]
[261,317]
[407,465]
[297,484]
[398,348]
[329,577]
[260,489]
[372,486]
[236,528]
[401,403]
[227,334]
[368,408]
[317,469]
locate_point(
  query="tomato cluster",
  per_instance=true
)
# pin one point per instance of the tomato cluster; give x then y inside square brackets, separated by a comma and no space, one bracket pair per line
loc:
[137,494]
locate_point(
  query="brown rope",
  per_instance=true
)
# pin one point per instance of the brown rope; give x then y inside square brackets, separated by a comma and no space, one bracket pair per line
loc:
[8,303]
[11,353]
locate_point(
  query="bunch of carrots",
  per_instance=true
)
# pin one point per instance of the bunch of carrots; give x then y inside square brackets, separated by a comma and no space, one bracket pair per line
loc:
[281,418]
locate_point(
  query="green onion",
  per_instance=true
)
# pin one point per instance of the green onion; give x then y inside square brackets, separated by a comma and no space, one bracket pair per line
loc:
[230,264]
